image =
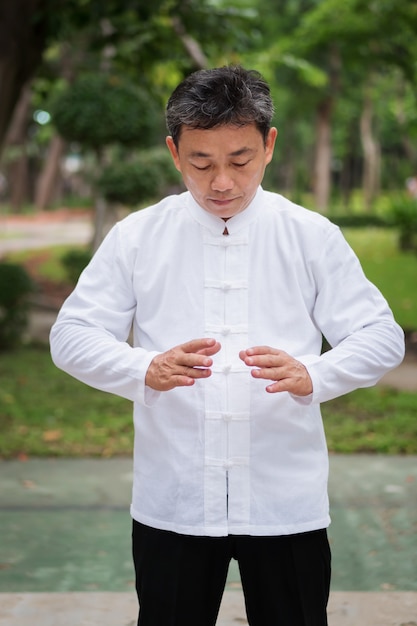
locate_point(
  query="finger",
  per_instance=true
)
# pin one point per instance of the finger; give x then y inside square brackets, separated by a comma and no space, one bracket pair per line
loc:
[298,385]
[279,386]
[192,360]
[188,378]
[270,373]
[263,356]
[256,350]
[210,351]
[268,361]
[197,345]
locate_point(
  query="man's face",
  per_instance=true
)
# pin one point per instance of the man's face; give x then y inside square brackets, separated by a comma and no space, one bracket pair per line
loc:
[222,167]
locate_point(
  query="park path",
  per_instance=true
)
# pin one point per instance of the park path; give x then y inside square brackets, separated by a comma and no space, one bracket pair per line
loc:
[66,561]
[65,226]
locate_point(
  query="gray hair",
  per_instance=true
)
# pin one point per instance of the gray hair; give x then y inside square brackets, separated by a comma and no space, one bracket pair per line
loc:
[219,96]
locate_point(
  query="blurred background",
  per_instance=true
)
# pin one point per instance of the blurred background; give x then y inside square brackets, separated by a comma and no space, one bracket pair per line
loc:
[83,87]
[83,90]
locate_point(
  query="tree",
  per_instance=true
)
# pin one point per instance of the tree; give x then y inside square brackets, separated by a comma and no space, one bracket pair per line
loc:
[23,38]
[356,35]
[154,44]
[100,110]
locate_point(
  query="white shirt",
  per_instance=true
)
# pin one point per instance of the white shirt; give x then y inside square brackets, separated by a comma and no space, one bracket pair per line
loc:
[224,456]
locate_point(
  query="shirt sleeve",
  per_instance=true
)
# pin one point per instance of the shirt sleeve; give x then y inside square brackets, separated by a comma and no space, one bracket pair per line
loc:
[89,339]
[354,317]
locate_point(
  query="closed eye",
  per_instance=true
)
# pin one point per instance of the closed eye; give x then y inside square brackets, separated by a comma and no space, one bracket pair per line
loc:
[205,167]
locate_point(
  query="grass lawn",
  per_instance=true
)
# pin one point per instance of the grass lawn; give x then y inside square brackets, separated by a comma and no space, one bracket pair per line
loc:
[375,420]
[44,262]
[44,412]
[393,272]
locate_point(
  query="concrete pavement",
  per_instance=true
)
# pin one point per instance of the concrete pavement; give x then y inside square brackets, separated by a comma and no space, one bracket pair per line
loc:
[68,226]
[120,609]
[65,555]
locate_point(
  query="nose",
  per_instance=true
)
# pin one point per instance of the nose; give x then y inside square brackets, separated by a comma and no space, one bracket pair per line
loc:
[222,181]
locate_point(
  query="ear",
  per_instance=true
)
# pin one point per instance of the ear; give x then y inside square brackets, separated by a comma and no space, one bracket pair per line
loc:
[174,152]
[270,144]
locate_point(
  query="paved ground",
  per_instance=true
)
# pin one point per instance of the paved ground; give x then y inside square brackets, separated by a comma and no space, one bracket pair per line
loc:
[45,228]
[65,546]
[65,556]
[119,609]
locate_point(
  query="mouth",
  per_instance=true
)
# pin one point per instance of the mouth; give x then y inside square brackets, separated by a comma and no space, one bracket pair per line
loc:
[222,202]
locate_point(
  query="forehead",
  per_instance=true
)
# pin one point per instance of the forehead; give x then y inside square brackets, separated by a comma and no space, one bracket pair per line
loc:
[229,139]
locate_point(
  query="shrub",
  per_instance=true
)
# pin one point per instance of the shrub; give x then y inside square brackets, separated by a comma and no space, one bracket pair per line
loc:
[98,110]
[359,221]
[74,261]
[15,288]
[147,175]
[403,215]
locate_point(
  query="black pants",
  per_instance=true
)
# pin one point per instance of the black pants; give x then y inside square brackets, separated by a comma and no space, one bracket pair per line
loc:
[180,579]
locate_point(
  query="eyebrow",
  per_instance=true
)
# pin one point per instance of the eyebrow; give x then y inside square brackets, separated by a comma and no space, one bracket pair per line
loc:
[204,155]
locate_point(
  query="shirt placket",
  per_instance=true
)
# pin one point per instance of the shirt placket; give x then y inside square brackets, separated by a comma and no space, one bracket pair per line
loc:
[226,488]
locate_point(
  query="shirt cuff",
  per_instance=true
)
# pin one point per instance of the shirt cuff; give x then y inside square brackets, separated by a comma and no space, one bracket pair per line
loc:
[309,361]
[146,395]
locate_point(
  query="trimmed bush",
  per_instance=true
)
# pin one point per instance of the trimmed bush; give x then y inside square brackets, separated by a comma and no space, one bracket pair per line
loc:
[99,110]
[146,176]
[15,288]
[359,221]
[403,215]
[74,261]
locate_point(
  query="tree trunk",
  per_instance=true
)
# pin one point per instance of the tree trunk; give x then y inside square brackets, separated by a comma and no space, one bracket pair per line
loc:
[322,165]
[22,41]
[17,162]
[371,152]
[400,113]
[323,156]
[49,177]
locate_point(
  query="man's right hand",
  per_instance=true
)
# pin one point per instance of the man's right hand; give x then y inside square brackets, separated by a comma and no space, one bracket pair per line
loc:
[182,365]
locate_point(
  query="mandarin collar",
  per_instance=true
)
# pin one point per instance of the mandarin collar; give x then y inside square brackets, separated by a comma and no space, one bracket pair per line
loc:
[216,224]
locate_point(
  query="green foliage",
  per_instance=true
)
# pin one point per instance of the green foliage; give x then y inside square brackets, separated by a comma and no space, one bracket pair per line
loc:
[98,110]
[15,287]
[47,261]
[392,271]
[362,220]
[403,214]
[74,261]
[357,32]
[146,176]
[377,419]
[45,412]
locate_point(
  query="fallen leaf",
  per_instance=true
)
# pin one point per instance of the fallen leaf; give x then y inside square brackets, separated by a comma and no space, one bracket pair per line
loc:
[52,435]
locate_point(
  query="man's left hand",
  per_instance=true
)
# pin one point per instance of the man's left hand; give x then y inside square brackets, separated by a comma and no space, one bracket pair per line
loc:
[272,364]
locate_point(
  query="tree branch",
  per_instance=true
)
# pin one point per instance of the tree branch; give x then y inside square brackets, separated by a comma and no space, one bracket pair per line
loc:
[190,44]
